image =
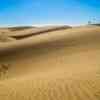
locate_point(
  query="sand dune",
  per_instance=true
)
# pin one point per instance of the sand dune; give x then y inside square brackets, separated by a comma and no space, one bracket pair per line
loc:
[6,32]
[59,65]
[35,31]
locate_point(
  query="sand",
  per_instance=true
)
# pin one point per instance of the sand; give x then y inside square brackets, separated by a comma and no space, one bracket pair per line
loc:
[59,65]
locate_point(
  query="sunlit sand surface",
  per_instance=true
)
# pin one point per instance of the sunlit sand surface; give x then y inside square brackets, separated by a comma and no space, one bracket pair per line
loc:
[62,64]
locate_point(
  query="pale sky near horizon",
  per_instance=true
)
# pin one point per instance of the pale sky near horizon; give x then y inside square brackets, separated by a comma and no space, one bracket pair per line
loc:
[40,12]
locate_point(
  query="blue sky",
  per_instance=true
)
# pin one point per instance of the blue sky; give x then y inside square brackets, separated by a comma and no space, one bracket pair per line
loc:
[38,12]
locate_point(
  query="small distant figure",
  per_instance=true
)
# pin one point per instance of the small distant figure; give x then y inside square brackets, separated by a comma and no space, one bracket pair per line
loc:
[89,22]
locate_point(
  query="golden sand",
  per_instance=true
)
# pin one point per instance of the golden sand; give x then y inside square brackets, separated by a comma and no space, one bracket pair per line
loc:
[59,65]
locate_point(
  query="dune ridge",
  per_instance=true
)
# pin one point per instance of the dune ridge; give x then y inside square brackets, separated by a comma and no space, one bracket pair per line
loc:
[37,31]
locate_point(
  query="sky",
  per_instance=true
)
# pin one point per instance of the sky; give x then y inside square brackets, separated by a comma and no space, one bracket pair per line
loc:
[43,12]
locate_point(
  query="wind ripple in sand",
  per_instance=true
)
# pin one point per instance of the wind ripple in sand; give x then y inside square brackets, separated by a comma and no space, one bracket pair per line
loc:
[58,68]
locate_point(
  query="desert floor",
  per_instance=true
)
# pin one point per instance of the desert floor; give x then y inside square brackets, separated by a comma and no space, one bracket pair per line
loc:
[61,64]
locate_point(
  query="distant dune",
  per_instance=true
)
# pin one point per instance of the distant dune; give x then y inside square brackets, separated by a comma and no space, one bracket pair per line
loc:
[36,31]
[24,32]
[62,64]
[18,28]
[6,31]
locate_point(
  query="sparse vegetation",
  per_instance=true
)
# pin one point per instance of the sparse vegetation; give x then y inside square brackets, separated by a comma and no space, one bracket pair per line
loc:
[98,24]
[94,22]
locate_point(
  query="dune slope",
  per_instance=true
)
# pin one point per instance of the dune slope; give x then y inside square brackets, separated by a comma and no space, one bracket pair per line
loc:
[59,65]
